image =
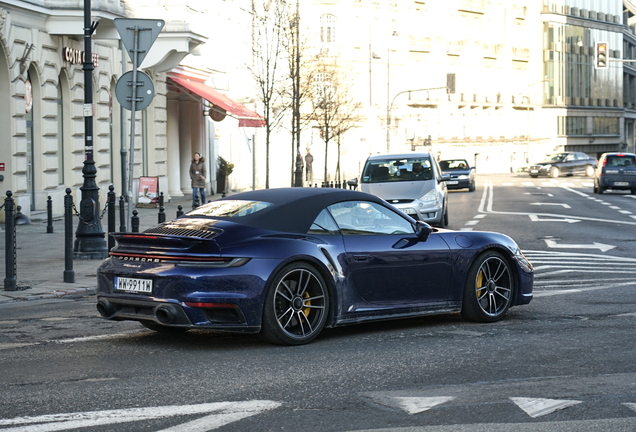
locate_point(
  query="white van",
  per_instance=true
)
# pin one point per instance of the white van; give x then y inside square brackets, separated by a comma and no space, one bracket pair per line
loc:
[412,182]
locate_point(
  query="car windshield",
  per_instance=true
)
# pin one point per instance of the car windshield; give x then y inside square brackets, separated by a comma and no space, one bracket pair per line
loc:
[620,160]
[397,169]
[557,157]
[229,208]
[453,164]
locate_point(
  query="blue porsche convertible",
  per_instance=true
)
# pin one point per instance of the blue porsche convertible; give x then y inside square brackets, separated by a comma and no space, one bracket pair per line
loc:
[287,263]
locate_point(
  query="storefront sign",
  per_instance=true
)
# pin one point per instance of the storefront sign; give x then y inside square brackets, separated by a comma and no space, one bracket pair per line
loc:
[1,166]
[75,56]
[148,191]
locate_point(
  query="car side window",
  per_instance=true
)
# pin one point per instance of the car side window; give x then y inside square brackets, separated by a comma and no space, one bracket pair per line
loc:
[324,225]
[368,218]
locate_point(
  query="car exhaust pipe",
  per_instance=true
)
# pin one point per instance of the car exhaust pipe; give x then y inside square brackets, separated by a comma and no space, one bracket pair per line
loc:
[165,314]
[106,309]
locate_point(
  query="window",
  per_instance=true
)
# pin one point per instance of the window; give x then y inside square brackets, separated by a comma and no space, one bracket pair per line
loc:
[571,126]
[605,126]
[394,170]
[323,225]
[368,218]
[230,208]
[328,25]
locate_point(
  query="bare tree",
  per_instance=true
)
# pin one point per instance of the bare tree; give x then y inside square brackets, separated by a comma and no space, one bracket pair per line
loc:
[335,108]
[269,68]
[300,91]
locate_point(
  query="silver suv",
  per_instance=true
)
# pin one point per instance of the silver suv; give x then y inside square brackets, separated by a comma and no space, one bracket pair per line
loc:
[412,182]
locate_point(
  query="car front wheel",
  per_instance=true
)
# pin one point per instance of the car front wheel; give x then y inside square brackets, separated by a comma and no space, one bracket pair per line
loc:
[296,306]
[555,172]
[489,288]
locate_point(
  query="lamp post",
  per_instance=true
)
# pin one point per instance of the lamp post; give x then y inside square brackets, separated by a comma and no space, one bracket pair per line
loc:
[388,85]
[90,242]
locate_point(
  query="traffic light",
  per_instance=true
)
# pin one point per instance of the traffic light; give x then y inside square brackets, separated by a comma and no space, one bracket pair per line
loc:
[601,56]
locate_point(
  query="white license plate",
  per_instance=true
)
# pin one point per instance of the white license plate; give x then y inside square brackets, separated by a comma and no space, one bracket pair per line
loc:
[452,182]
[621,183]
[534,171]
[133,285]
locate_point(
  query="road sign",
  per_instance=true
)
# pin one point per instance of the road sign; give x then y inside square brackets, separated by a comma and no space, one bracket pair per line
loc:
[144,94]
[147,31]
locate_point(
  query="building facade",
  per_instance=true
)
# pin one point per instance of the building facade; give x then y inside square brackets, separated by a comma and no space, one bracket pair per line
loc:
[525,81]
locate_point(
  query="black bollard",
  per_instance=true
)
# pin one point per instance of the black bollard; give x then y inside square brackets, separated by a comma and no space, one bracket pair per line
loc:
[161,217]
[10,282]
[223,195]
[196,202]
[49,215]
[122,214]
[134,222]
[179,210]
[69,274]
[21,219]
[111,200]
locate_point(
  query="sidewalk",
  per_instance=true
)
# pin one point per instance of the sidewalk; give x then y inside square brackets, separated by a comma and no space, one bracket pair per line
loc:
[40,256]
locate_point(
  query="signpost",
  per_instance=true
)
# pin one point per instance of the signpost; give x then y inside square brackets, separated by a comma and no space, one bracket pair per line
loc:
[137,35]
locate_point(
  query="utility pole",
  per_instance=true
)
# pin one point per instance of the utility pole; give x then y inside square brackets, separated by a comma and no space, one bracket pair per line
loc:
[90,242]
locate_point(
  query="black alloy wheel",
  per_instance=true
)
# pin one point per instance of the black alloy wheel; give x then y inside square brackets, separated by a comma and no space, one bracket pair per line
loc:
[296,306]
[489,288]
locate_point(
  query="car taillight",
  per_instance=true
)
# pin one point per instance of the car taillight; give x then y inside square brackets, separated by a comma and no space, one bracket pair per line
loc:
[207,305]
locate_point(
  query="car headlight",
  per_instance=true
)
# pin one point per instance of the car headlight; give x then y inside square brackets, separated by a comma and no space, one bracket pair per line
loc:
[430,196]
[463,177]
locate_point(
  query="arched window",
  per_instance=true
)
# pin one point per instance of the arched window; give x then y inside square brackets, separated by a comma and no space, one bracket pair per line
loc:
[328,24]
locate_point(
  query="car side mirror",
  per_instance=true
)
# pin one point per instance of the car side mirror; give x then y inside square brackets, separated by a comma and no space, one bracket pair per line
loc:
[445,177]
[423,230]
[353,183]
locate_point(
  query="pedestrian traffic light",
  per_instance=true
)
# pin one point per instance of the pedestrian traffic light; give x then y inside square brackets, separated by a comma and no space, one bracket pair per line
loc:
[601,56]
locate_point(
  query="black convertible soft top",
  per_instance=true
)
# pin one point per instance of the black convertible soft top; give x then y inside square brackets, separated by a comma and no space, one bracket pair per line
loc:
[294,209]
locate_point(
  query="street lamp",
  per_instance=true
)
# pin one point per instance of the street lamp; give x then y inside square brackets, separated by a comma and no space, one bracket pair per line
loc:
[388,84]
[89,242]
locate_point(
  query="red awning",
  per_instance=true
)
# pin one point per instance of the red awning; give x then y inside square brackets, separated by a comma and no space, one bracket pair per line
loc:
[245,116]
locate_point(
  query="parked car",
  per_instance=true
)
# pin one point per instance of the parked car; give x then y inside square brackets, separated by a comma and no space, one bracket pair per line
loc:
[568,163]
[412,182]
[289,262]
[615,171]
[462,175]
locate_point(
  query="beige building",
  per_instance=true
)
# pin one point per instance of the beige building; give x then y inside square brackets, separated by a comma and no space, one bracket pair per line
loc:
[525,81]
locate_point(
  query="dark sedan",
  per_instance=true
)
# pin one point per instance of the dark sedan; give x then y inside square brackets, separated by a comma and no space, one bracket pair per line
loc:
[564,164]
[462,175]
[289,262]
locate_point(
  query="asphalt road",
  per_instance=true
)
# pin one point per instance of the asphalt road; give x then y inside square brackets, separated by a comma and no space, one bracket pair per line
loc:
[565,362]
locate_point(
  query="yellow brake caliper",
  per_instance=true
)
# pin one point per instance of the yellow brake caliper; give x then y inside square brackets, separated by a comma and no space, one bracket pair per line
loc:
[480,283]
[307,303]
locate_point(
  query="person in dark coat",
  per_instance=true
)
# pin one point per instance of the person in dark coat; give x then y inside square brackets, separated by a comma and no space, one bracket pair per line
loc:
[197,174]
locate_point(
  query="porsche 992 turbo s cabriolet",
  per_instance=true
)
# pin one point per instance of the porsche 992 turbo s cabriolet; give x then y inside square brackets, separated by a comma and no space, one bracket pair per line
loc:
[289,262]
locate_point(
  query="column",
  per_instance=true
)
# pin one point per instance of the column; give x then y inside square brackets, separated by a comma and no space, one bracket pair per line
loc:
[185,146]
[174,168]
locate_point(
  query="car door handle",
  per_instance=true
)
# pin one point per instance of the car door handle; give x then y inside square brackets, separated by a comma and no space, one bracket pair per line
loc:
[359,258]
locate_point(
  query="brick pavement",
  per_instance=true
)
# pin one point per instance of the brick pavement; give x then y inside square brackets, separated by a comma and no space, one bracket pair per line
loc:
[40,255]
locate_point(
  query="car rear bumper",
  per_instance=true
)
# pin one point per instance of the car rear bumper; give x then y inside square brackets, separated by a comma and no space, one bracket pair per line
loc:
[618,182]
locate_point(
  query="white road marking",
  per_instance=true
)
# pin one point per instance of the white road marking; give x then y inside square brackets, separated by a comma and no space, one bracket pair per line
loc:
[415,405]
[600,246]
[551,204]
[625,211]
[615,208]
[465,229]
[536,218]
[98,337]
[81,420]
[479,216]
[472,222]
[536,407]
